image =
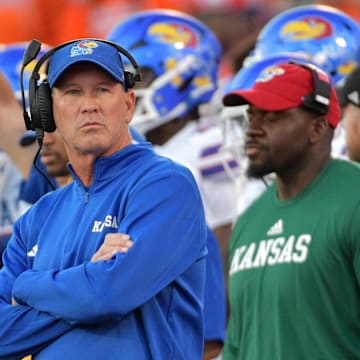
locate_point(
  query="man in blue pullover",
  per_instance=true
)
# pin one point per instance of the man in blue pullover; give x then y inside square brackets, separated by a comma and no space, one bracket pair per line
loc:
[60,301]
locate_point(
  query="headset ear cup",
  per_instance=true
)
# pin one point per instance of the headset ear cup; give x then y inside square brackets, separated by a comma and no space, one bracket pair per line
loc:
[129,79]
[44,101]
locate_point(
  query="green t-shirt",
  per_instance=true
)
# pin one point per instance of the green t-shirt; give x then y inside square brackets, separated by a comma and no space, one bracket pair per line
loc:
[294,278]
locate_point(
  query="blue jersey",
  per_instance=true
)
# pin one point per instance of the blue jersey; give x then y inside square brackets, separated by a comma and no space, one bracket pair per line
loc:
[145,304]
[215,298]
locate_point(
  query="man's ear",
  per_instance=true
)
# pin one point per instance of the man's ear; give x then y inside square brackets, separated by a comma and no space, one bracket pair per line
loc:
[319,127]
[130,105]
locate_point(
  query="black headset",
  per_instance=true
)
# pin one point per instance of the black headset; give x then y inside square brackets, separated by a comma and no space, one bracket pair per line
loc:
[319,100]
[40,101]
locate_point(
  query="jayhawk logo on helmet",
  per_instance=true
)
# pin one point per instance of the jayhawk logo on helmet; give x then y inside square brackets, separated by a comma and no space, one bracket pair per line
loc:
[326,34]
[180,35]
[307,28]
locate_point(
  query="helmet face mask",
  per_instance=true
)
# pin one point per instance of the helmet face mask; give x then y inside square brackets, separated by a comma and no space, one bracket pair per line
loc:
[181,52]
[168,96]
[234,124]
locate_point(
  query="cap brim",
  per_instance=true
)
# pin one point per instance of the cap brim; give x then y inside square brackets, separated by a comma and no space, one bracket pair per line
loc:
[53,79]
[261,99]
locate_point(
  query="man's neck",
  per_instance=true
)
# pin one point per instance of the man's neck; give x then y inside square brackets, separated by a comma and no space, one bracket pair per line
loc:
[292,183]
[64,180]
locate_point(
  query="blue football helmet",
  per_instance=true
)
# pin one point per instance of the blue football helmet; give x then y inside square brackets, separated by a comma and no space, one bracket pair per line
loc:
[11,56]
[324,34]
[183,56]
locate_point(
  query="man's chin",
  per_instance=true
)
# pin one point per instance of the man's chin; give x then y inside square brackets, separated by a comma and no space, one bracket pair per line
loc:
[257,171]
[56,172]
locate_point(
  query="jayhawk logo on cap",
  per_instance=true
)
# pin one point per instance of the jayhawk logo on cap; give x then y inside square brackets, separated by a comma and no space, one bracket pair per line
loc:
[306,29]
[84,47]
[269,73]
[180,35]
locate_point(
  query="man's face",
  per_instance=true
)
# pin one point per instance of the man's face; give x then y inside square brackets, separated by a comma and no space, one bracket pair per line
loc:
[351,121]
[53,155]
[92,111]
[277,141]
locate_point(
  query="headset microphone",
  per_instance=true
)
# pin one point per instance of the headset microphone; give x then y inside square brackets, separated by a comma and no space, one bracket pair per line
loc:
[31,51]
[30,54]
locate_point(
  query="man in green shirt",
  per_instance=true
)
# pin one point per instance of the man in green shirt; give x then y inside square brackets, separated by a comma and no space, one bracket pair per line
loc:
[294,271]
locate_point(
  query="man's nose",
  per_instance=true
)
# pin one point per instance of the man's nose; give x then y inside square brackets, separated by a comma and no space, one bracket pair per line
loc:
[90,103]
[48,138]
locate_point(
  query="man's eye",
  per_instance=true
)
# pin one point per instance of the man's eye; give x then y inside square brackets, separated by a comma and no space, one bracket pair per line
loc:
[72,91]
[103,89]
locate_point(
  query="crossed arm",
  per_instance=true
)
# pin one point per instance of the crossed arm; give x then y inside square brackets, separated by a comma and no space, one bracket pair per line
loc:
[28,330]
[113,243]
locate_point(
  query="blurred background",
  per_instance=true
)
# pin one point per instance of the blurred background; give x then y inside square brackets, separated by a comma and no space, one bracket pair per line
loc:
[235,22]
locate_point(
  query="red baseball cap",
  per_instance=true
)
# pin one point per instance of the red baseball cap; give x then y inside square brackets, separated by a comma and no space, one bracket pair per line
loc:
[284,86]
